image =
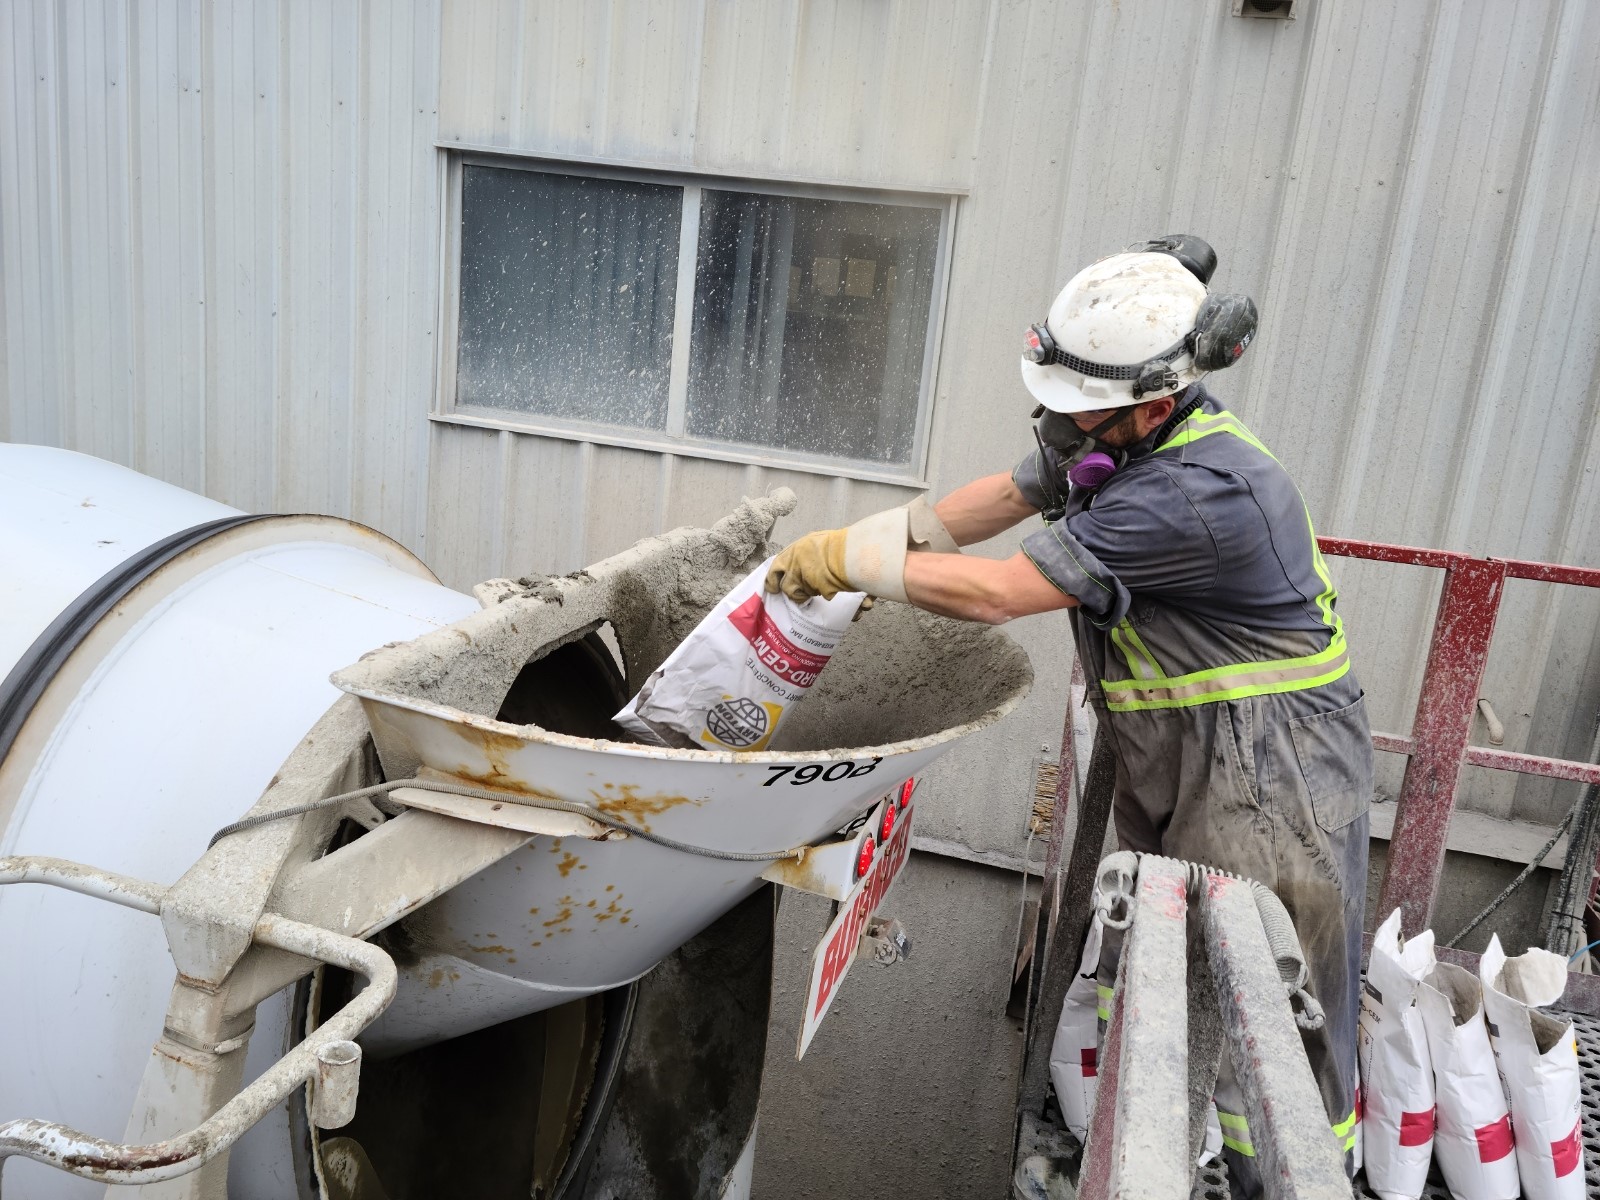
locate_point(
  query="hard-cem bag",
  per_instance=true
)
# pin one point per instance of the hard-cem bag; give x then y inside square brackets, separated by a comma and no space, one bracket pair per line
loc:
[730,682]
[1074,1055]
[1396,1075]
[1538,1059]
[1473,1141]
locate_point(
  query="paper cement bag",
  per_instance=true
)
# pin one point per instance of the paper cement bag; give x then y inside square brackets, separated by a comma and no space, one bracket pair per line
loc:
[1074,1055]
[1396,1076]
[1473,1140]
[1075,1052]
[1538,1060]
[1213,1143]
[730,682]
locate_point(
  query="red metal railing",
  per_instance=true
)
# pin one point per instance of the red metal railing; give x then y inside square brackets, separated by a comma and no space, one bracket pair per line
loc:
[1438,746]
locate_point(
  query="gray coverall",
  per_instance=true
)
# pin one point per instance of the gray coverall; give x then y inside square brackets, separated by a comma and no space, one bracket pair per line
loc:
[1206,613]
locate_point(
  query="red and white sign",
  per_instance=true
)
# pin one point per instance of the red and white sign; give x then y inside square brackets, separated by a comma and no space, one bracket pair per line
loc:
[837,949]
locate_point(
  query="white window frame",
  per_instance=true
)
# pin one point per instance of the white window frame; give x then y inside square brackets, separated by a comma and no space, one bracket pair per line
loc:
[674,439]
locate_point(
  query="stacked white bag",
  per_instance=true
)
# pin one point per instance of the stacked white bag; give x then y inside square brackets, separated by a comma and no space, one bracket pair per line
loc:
[1538,1061]
[1473,1139]
[1396,1072]
[1074,1054]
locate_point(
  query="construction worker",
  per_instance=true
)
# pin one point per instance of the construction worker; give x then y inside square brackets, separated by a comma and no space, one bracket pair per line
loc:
[1198,599]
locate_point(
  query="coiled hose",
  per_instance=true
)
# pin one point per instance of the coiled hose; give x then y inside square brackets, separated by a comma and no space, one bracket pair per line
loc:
[1114,902]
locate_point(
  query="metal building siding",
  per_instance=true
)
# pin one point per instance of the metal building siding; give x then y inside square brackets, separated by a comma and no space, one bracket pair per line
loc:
[881,93]
[220,252]
[218,228]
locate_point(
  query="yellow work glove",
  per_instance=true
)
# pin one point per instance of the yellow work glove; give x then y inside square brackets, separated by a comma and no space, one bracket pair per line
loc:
[812,566]
[869,556]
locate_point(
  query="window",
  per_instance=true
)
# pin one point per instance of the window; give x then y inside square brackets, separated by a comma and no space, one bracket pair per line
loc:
[707,317]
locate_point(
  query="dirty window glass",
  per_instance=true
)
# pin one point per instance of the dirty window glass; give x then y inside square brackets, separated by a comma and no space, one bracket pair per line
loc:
[810,322]
[568,289]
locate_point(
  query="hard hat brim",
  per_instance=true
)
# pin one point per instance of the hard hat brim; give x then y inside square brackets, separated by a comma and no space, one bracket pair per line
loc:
[1053,387]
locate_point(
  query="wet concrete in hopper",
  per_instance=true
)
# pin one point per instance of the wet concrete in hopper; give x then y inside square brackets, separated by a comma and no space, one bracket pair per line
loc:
[900,673]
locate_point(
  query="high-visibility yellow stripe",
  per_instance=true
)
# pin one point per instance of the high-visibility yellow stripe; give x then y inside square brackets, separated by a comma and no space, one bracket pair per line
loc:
[1326,655]
[1138,644]
[1346,1132]
[1236,1133]
[1139,659]
[1237,680]
[1249,681]
[1104,994]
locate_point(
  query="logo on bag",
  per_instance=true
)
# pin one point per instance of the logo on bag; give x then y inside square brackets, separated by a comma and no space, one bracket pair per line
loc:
[773,649]
[740,722]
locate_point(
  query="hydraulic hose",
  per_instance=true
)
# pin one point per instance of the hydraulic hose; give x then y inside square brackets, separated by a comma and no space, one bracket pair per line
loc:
[455,789]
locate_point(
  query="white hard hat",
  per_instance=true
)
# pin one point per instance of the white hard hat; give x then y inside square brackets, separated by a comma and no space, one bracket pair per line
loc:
[1114,320]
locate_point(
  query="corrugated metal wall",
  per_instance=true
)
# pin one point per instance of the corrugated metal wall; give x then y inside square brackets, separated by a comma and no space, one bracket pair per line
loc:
[220,240]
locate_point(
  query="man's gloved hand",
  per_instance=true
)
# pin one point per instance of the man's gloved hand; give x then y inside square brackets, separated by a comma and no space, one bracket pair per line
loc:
[812,566]
[869,556]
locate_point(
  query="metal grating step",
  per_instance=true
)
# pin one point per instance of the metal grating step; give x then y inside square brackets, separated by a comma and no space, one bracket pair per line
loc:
[1212,1183]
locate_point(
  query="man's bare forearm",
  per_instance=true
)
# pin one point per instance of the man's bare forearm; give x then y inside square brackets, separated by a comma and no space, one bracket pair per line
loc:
[983,508]
[981,589]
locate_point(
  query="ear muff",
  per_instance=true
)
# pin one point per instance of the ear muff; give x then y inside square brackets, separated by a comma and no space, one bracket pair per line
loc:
[1223,329]
[1196,254]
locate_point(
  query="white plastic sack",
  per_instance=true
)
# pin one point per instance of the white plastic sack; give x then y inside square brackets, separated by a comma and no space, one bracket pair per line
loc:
[1538,1060]
[730,682]
[1075,1052]
[1396,1076]
[1074,1055]
[1473,1140]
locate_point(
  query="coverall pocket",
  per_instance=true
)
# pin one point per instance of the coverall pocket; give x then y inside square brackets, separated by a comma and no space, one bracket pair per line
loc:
[1334,749]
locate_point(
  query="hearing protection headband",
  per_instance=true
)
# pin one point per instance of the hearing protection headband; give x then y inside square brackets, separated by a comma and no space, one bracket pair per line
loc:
[1223,328]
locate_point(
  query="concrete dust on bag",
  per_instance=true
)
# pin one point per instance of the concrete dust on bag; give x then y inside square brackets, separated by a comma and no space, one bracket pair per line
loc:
[1080,1036]
[748,663]
[1396,1073]
[1538,1059]
[1074,1054]
[1473,1138]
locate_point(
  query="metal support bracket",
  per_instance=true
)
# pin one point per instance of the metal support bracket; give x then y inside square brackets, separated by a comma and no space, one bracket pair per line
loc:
[88,1157]
[1134,1146]
[1295,1148]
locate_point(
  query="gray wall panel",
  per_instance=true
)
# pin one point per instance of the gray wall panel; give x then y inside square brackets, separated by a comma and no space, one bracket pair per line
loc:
[220,262]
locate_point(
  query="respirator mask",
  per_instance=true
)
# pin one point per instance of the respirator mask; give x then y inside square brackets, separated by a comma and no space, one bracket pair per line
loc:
[1089,461]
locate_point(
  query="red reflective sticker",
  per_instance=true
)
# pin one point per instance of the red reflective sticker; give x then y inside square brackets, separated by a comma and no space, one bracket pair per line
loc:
[1567,1153]
[1494,1141]
[1416,1129]
[1089,1059]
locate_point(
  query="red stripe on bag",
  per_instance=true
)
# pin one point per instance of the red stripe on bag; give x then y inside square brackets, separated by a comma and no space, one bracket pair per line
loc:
[1416,1129]
[1090,1061]
[1567,1153]
[1494,1140]
[772,649]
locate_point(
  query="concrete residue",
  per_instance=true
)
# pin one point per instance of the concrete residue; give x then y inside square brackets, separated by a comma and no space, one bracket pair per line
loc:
[900,673]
